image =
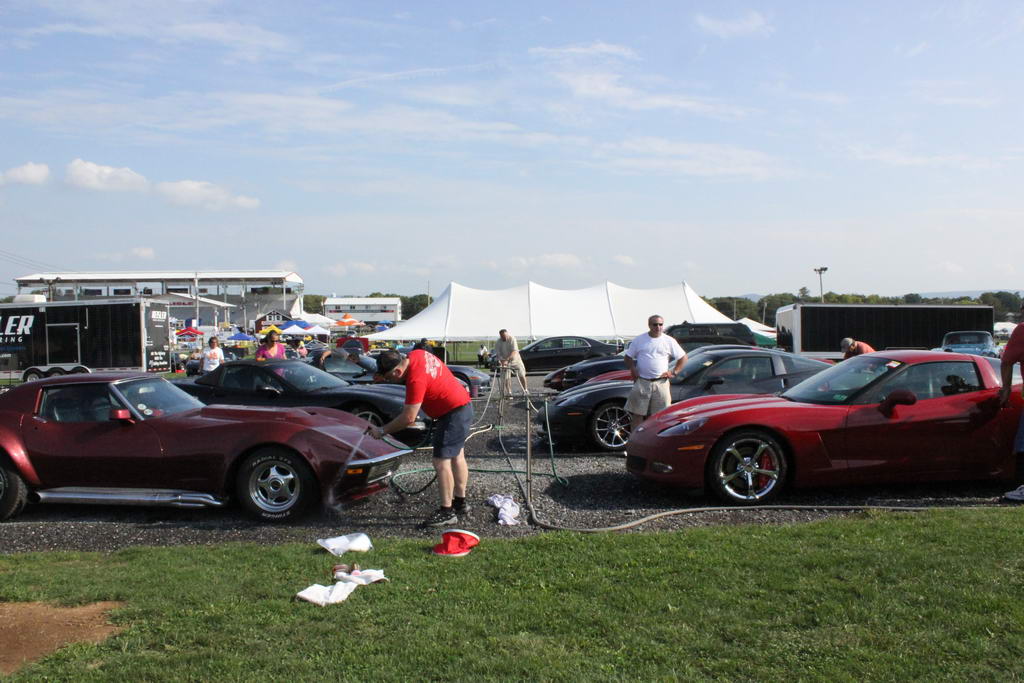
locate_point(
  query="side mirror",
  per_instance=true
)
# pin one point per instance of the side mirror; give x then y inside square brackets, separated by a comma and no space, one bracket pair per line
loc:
[121,415]
[900,397]
[713,381]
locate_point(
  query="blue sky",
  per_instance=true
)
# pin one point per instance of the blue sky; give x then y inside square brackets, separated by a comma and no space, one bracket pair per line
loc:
[376,146]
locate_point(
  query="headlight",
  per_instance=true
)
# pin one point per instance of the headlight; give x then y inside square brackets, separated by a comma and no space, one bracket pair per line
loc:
[684,427]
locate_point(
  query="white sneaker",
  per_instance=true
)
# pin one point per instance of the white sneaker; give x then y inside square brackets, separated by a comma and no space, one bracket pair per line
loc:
[1017,494]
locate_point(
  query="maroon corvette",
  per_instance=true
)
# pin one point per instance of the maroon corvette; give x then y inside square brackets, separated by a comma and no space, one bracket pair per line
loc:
[894,416]
[139,440]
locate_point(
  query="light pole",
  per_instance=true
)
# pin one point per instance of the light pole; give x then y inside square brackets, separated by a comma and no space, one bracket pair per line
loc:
[821,288]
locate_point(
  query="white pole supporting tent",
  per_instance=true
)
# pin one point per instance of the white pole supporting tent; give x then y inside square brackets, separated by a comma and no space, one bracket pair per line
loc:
[532,311]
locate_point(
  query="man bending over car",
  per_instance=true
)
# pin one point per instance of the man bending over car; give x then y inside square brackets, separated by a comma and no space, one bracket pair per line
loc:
[430,385]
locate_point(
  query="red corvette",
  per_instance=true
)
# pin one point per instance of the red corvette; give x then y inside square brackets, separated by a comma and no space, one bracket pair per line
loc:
[894,416]
[139,440]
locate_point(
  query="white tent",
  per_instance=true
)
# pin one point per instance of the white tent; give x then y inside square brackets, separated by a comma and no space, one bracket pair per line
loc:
[760,328]
[532,311]
[317,330]
[316,319]
[294,330]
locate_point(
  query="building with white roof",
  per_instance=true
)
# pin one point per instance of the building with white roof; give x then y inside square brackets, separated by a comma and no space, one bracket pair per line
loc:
[367,309]
[247,293]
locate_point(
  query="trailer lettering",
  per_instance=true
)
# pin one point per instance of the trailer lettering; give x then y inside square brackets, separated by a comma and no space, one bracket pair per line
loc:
[25,326]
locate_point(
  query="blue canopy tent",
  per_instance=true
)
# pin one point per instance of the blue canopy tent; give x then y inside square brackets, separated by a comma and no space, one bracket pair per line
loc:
[241,336]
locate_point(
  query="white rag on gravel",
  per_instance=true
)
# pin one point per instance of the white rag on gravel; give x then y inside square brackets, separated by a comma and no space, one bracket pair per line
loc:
[508,509]
[340,544]
[339,592]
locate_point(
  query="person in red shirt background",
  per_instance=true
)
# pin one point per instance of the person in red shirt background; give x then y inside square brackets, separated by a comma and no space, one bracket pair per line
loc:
[851,347]
[430,385]
[1013,353]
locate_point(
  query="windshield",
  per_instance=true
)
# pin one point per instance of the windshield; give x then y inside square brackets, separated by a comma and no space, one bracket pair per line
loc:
[965,338]
[841,382]
[307,378]
[696,362]
[155,397]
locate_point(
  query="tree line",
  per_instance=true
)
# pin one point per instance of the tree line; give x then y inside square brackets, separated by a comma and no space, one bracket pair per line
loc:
[411,305]
[1006,304]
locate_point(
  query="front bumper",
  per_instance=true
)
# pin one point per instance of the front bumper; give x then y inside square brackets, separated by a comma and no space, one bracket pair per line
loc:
[567,422]
[366,474]
[670,460]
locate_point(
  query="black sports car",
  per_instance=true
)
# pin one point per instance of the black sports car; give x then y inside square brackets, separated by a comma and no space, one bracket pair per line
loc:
[597,411]
[557,352]
[578,373]
[361,372]
[292,383]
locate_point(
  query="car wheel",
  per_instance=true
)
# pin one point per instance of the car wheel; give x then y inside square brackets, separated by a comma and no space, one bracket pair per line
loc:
[368,413]
[747,468]
[275,485]
[13,492]
[609,426]
[31,376]
[55,372]
[80,370]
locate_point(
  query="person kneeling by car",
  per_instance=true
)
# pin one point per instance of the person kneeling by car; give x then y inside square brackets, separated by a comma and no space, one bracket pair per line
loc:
[431,385]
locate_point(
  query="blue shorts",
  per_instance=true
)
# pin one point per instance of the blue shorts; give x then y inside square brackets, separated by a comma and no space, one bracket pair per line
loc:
[451,430]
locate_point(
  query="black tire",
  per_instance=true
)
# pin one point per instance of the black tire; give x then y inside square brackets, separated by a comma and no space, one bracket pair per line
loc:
[55,372]
[276,485]
[368,413]
[13,492]
[609,426]
[80,370]
[747,467]
[31,375]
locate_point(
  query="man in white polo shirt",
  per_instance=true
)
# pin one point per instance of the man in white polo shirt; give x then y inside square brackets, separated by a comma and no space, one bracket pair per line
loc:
[647,359]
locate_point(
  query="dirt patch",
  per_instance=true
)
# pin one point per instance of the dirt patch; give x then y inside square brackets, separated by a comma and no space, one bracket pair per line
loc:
[32,630]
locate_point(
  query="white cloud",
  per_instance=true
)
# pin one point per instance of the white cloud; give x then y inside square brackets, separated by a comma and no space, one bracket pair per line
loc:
[549,260]
[26,174]
[952,93]
[624,260]
[595,49]
[609,88]
[950,267]
[144,253]
[917,49]
[897,157]
[361,267]
[750,24]
[204,194]
[86,174]
[693,159]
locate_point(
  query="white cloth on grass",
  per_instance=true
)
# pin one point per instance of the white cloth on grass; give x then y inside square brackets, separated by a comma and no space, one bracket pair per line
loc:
[361,577]
[508,509]
[327,595]
[340,544]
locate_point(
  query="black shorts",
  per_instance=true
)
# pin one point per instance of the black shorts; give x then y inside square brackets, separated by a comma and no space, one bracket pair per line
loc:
[451,430]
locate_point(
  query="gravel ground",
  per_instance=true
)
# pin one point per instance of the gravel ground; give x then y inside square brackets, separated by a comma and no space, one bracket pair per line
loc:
[600,493]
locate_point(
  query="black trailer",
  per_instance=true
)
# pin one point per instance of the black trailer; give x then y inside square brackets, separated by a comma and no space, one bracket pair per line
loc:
[815,330]
[42,339]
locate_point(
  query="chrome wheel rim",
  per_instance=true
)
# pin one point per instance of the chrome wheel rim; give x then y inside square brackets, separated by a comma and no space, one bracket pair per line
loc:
[274,486]
[750,468]
[371,417]
[611,426]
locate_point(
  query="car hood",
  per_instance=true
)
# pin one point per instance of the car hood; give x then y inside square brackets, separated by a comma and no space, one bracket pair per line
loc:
[584,392]
[312,416]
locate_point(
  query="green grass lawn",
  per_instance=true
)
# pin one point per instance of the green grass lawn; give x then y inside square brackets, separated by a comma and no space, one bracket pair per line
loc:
[881,597]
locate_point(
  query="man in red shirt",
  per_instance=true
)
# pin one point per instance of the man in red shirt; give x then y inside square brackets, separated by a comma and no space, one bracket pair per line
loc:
[430,385]
[1013,353]
[851,347]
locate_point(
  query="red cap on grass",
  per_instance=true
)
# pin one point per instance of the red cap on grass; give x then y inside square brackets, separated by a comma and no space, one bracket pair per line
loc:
[456,543]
